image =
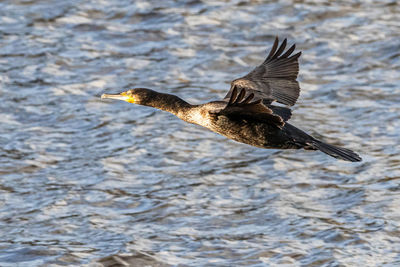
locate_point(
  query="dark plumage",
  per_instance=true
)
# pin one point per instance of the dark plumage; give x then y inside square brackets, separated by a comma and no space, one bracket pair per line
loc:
[246,114]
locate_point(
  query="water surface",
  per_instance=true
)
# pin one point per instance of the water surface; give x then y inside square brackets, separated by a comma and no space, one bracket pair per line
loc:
[82,179]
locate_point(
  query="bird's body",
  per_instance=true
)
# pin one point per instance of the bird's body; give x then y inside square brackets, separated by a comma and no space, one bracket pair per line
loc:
[243,130]
[247,114]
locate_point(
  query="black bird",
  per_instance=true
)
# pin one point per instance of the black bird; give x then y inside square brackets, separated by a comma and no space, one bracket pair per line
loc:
[246,113]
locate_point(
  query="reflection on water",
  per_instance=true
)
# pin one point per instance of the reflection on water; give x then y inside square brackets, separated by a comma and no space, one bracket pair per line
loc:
[82,179]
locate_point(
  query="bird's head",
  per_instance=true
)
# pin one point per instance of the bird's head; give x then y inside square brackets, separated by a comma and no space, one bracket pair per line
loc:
[141,96]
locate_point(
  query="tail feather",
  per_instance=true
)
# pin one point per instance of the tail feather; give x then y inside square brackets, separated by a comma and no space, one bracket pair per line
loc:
[336,152]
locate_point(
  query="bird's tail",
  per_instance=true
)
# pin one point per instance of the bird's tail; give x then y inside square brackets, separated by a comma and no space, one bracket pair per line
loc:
[334,151]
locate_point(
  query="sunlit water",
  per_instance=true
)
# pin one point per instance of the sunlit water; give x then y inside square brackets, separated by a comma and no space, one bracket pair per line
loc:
[82,179]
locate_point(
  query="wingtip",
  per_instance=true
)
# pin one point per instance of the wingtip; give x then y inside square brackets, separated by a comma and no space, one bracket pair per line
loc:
[280,49]
[296,56]
[289,51]
[273,48]
[233,96]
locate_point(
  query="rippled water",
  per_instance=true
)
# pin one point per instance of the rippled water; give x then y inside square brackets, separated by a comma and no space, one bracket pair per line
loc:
[82,179]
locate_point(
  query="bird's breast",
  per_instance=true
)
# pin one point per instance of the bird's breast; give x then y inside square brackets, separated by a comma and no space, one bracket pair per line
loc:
[197,116]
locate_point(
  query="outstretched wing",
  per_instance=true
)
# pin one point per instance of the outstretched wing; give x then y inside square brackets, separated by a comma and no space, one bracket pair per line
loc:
[243,107]
[274,79]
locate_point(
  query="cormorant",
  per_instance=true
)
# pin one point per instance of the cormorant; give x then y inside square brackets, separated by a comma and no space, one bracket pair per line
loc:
[246,113]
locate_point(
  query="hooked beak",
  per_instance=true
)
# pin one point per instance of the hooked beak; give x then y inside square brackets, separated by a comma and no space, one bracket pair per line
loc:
[122,96]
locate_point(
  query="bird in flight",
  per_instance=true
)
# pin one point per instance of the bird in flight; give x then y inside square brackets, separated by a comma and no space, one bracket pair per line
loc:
[247,113]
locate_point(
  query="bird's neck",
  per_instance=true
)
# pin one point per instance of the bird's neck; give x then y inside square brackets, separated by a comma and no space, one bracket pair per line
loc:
[171,104]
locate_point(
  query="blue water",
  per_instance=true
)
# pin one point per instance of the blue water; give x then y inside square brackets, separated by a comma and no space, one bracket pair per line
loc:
[82,179]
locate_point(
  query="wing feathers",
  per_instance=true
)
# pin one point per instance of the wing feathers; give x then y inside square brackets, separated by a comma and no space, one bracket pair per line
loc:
[273,49]
[240,96]
[241,107]
[275,78]
[233,96]
[280,50]
[247,100]
[283,112]
[289,51]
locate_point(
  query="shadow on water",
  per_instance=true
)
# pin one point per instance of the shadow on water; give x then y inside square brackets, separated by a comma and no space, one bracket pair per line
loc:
[85,181]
